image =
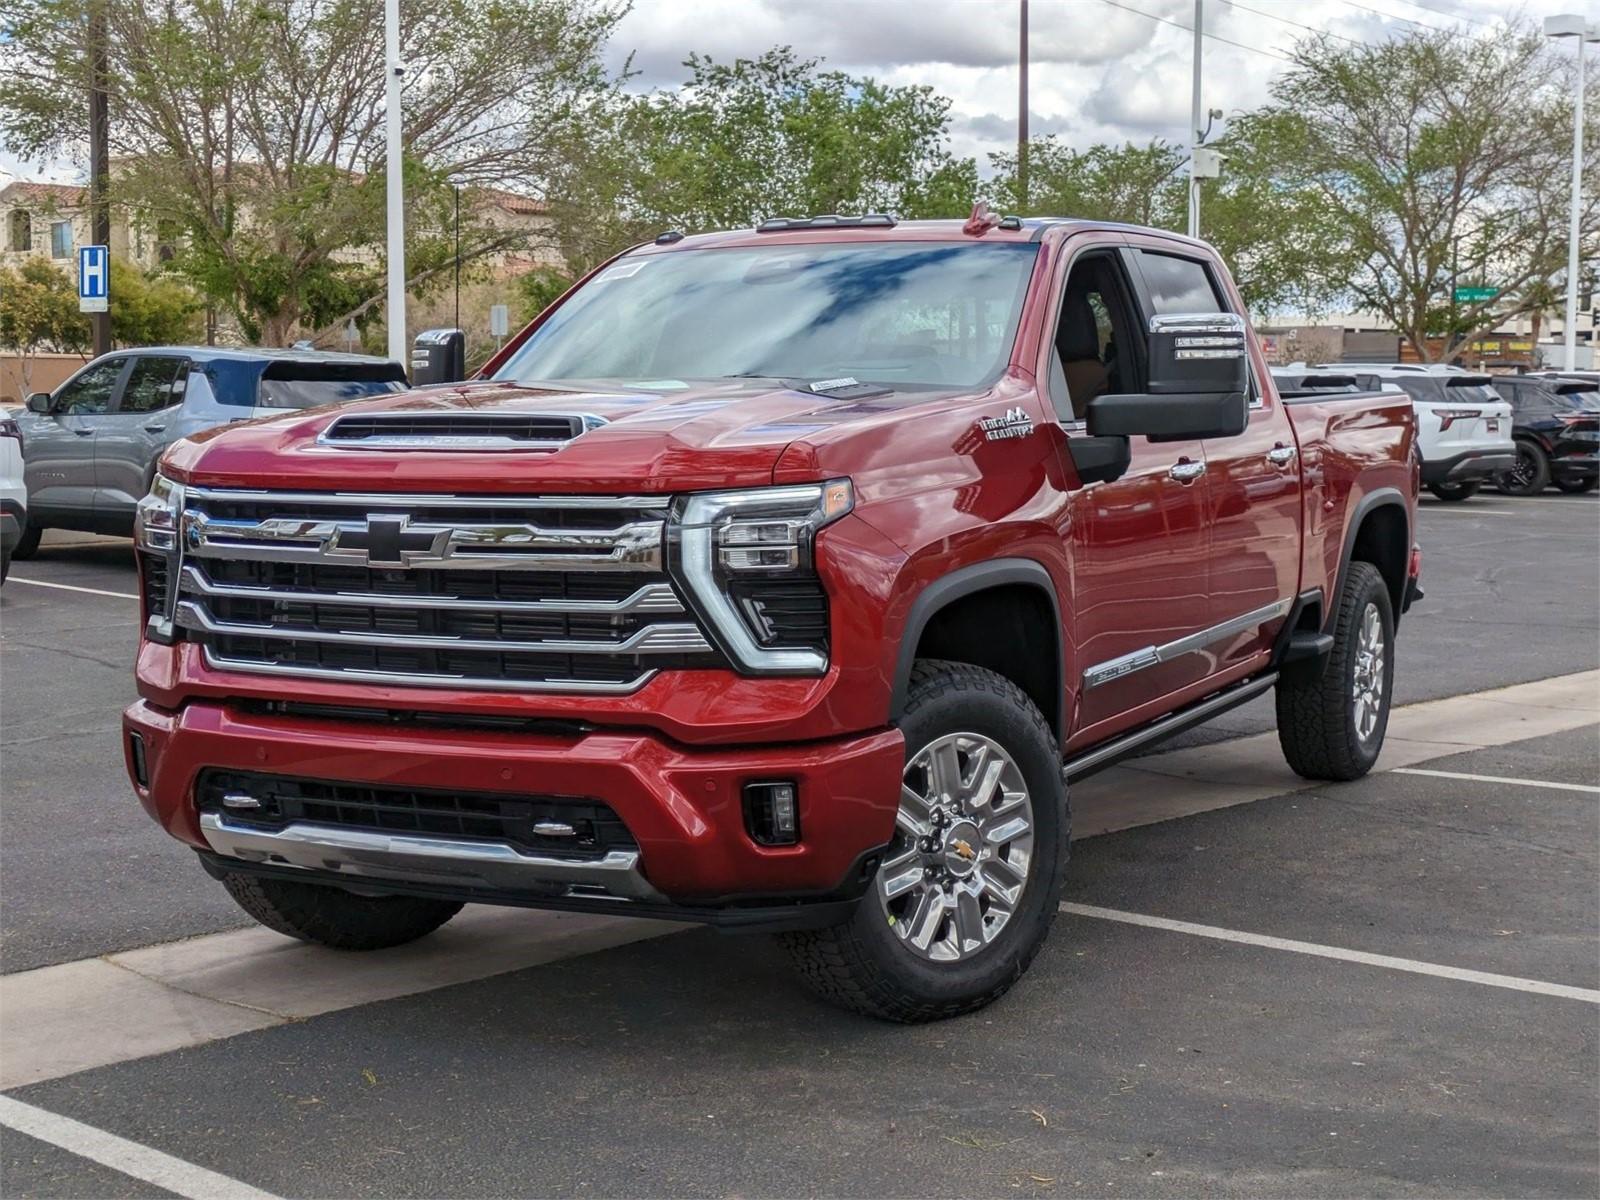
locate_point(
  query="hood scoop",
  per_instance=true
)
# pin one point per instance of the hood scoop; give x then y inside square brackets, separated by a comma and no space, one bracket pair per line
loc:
[402,430]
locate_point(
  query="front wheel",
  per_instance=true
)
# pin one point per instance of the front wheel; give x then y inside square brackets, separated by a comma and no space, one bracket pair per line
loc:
[1574,487]
[1331,726]
[970,885]
[331,916]
[28,544]
[1454,491]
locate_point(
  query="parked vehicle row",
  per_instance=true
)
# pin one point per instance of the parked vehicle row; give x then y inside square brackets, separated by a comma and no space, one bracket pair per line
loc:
[1556,422]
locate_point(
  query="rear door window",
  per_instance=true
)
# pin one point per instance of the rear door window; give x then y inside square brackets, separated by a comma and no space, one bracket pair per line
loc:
[154,383]
[307,385]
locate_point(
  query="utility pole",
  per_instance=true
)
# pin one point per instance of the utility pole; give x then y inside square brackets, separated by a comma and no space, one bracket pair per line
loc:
[1022,110]
[99,169]
[393,69]
[1576,26]
[1195,116]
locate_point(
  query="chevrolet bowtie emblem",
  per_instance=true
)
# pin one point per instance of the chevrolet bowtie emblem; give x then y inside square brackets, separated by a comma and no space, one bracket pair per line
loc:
[387,541]
[964,849]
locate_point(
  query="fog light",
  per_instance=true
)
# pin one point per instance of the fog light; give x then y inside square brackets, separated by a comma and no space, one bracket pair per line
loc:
[772,813]
[141,772]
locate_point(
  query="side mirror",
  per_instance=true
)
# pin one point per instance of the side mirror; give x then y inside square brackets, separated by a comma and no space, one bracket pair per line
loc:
[438,356]
[1197,352]
[39,402]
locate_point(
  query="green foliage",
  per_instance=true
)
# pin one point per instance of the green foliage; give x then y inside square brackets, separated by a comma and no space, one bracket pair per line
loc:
[39,309]
[1141,185]
[538,289]
[757,138]
[254,131]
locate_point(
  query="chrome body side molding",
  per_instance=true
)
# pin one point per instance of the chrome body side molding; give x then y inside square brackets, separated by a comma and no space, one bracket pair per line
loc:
[1150,656]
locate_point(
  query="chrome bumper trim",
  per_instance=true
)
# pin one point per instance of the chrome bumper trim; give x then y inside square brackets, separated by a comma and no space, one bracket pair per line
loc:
[410,858]
[589,687]
[1150,656]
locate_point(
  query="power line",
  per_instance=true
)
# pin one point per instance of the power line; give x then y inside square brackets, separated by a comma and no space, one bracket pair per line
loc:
[1452,15]
[1388,16]
[1297,24]
[1190,29]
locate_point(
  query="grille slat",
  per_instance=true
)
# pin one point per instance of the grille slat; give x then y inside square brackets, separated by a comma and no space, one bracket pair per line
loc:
[485,816]
[549,594]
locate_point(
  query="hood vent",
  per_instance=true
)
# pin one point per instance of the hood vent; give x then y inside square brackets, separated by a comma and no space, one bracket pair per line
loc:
[456,430]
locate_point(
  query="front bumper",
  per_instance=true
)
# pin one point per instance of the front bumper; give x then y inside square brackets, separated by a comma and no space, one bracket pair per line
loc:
[684,808]
[1468,467]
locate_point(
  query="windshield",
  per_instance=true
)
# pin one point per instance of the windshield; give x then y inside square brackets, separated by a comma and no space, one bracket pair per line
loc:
[899,314]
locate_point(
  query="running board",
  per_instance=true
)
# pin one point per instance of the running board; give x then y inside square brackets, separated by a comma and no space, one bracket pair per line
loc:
[1118,748]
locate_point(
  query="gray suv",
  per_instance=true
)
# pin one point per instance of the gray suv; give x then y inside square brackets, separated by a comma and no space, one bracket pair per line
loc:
[92,445]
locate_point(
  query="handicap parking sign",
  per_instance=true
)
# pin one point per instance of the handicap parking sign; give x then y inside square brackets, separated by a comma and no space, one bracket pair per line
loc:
[94,279]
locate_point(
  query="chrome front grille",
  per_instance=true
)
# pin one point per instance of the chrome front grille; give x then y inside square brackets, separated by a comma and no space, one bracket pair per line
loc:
[539,594]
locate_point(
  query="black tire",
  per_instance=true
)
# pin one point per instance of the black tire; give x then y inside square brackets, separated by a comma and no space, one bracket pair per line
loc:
[5,563]
[28,544]
[1454,491]
[1530,476]
[1318,717]
[863,964]
[1576,487]
[333,917]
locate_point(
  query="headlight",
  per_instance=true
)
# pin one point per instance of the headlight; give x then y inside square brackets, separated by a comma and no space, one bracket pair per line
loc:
[155,519]
[746,559]
[156,524]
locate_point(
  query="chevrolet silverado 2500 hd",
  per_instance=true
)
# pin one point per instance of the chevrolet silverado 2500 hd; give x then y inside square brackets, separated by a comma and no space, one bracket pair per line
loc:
[777,579]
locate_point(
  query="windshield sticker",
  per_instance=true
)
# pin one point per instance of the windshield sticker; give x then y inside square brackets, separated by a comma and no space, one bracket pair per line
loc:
[623,270]
[833,385]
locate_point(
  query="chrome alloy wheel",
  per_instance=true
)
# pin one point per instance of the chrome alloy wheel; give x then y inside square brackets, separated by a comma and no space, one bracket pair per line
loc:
[964,837]
[1366,690]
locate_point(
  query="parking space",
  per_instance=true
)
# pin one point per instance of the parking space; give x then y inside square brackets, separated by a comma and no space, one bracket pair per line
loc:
[1262,1055]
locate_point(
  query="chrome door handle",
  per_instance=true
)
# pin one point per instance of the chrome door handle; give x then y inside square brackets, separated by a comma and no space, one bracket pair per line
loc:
[155,428]
[84,432]
[1281,456]
[1185,471]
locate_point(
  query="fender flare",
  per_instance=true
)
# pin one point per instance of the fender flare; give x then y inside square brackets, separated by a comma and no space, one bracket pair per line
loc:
[1384,497]
[965,581]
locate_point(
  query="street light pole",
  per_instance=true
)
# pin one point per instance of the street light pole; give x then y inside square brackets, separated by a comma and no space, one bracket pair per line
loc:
[396,315]
[1022,110]
[1573,25]
[1194,123]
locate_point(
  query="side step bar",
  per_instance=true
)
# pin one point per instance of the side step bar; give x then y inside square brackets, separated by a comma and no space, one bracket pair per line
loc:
[1118,748]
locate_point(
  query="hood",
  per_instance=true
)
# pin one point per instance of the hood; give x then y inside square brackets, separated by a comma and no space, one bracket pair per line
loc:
[657,437]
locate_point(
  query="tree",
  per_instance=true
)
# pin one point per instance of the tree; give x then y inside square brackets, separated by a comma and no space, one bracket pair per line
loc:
[255,128]
[39,309]
[1415,165]
[757,138]
[1142,185]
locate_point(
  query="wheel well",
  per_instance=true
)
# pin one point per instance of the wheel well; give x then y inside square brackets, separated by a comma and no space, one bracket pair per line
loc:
[1009,629]
[1383,541]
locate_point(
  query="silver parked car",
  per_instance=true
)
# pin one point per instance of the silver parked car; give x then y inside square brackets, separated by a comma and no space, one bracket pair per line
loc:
[92,445]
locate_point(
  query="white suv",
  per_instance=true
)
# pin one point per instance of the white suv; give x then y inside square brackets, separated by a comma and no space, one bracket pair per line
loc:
[1463,424]
[13,491]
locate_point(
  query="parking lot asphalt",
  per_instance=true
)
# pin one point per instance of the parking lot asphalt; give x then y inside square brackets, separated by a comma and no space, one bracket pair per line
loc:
[1129,1061]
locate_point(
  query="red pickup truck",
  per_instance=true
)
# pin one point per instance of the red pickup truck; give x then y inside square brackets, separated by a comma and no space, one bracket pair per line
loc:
[777,579]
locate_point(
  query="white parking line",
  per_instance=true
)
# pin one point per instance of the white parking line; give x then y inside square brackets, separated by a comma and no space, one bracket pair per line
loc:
[70,587]
[1477,512]
[130,1158]
[1513,982]
[1530,783]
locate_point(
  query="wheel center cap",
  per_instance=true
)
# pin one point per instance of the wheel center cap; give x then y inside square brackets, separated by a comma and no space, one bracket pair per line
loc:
[962,845]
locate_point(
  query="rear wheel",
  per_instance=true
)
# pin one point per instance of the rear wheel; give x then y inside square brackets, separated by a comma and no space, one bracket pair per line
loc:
[1575,486]
[970,885]
[1530,476]
[1332,726]
[333,917]
[29,543]
[1454,491]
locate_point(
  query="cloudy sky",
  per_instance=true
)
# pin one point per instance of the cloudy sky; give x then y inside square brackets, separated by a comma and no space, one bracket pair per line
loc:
[1102,70]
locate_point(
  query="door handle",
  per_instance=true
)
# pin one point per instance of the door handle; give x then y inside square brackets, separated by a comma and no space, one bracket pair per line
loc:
[155,428]
[1281,455]
[1186,470]
[84,432]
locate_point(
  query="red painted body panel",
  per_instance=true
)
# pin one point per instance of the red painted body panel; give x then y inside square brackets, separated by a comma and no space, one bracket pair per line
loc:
[1140,561]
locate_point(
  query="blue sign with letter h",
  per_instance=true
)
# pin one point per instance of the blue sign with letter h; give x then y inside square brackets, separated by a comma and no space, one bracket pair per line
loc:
[94,277]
